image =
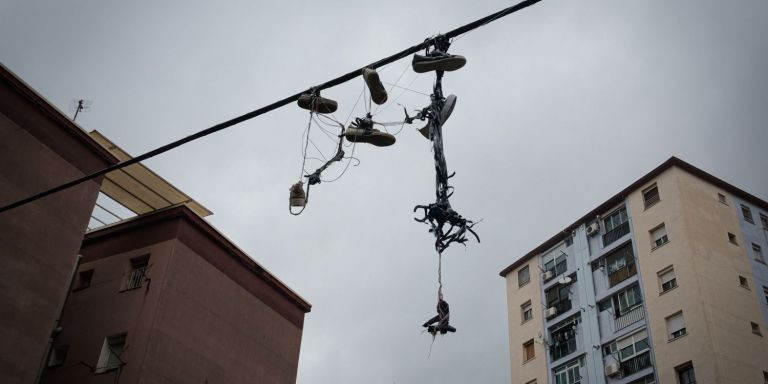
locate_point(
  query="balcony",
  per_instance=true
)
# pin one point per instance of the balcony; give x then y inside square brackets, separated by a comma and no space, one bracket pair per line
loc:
[636,364]
[562,307]
[563,348]
[615,233]
[621,274]
[628,318]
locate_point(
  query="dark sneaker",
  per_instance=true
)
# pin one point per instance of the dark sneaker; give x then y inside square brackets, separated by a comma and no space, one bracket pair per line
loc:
[298,198]
[450,102]
[437,61]
[443,329]
[370,136]
[322,105]
[378,93]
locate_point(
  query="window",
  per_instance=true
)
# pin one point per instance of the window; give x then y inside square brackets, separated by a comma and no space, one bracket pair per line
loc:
[645,380]
[563,338]
[556,262]
[627,300]
[138,272]
[651,196]
[667,279]
[765,292]
[764,222]
[747,213]
[58,356]
[757,252]
[84,279]
[756,329]
[523,276]
[527,311]
[732,238]
[528,351]
[568,241]
[559,298]
[110,353]
[620,265]
[743,282]
[568,374]
[722,199]
[765,377]
[629,346]
[685,374]
[616,226]
[531,382]
[659,236]
[676,326]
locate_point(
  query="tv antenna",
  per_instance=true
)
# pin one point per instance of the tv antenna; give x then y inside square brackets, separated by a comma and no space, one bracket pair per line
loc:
[80,105]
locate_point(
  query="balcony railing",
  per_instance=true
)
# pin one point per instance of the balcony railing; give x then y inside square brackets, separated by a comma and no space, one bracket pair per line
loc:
[563,348]
[630,317]
[616,233]
[562,307]
[636,364]
[622,274]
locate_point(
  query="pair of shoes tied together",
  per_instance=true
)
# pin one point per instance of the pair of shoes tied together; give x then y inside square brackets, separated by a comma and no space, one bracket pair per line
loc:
[437,61]
[445,113]
[361,131]
[317,103]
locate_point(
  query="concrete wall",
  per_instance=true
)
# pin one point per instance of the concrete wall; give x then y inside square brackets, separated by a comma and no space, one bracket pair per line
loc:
[39,242]
[199,318]
[519,333]
[717,311]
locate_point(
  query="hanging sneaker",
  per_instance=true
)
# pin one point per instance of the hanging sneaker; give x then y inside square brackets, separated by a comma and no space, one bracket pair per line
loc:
[437,61]
[322,105]
[378,93]
[298,198]
[450,102]
[370,136]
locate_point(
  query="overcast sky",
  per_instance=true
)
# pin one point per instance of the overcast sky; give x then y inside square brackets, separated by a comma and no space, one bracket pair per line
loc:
[559,107]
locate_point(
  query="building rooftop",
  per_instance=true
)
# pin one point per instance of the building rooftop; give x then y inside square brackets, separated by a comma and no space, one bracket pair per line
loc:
[619,197]
[182,223]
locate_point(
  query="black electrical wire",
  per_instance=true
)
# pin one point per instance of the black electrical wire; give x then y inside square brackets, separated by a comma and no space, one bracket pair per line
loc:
[250,115]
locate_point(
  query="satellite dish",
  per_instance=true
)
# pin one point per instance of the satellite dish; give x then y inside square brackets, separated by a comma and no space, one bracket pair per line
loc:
[564,280]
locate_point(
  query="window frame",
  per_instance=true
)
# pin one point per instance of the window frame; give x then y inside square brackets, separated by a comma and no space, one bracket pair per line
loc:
[137,274]
[757,253]
[109,354]
[84,279]
[526,356]
[621,213]
[634,340]
[527,270]
[662,240]
[743,282]
[746,213]
[678,333]
[722,199]
[59,351]
[686,368]
[673,280]
[653,199]
[732,239]
[525,308]
[572,368]
[756,328]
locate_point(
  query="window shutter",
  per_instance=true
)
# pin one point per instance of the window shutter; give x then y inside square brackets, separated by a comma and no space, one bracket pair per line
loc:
[667,276]
[658,233]
[675,323]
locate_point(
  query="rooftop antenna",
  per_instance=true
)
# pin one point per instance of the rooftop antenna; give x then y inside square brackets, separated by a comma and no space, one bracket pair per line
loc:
[80,105]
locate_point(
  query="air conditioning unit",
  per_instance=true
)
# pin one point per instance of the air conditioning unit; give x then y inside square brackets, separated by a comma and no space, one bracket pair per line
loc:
[593,229]
[551,312]
[548,275]
[612,369]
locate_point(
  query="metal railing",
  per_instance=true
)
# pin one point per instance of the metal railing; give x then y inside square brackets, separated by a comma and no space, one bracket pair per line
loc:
[615,233]
[136,278]
[562,307]
[630,317]
[636,364]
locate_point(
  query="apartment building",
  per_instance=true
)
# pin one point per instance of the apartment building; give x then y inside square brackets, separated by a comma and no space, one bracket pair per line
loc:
[40,147]
[665,282]
[165,298]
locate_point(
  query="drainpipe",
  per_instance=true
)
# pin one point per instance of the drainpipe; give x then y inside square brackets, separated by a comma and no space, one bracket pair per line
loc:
[57,324]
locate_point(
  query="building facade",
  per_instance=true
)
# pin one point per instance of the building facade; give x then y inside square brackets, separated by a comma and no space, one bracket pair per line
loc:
[666,282]
[39,149]
[165,298]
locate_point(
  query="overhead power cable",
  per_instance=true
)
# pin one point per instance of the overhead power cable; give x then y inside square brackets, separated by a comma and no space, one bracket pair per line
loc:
[277,104]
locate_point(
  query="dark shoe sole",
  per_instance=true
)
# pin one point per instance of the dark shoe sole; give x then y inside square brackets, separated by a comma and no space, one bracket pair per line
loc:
[379,139]
[378,93]
[423,64]
[322,105]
